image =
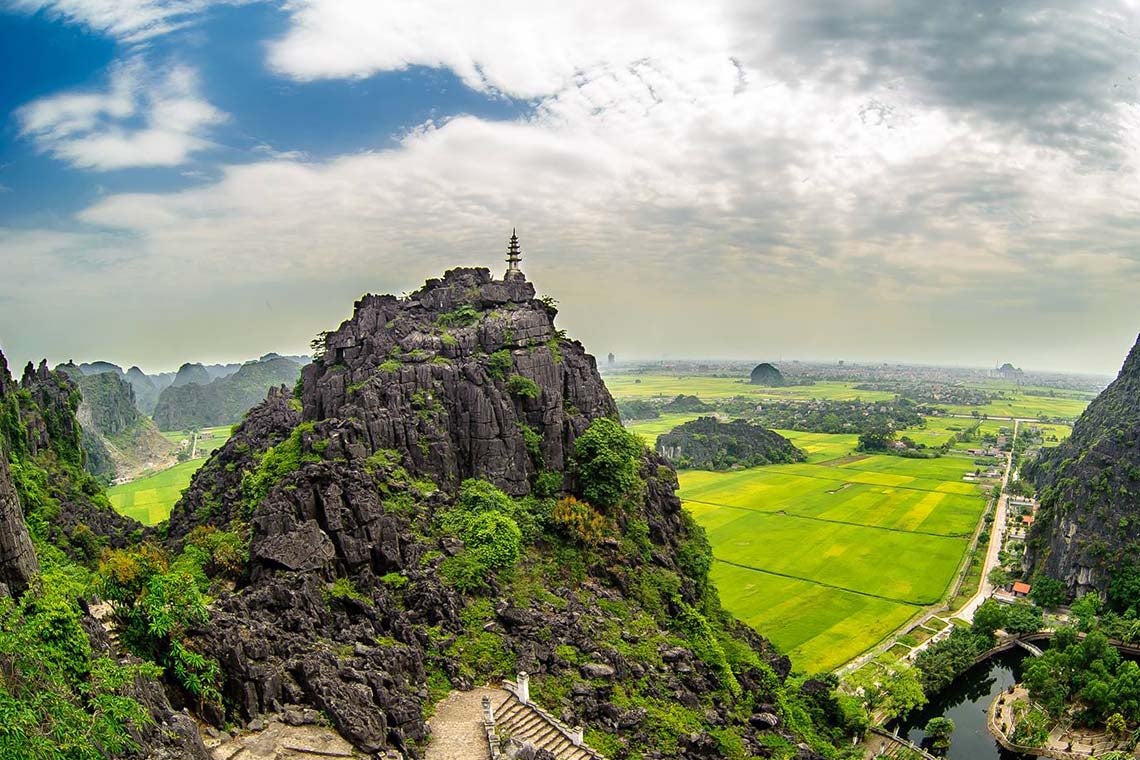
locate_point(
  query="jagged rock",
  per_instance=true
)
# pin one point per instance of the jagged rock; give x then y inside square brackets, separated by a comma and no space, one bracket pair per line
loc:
[410,397]
[1088,488]
[304,548]
[597,670]
[18,562]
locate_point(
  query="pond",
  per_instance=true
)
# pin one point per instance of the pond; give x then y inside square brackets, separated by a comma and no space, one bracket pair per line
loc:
[965,702]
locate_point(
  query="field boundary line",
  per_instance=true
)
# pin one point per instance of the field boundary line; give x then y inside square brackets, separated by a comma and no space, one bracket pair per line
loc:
[825,584]
[773,468]
[785,513]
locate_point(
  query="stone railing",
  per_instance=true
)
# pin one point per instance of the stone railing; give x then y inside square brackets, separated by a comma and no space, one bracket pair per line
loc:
[520,688]
[489,729]
[904,742]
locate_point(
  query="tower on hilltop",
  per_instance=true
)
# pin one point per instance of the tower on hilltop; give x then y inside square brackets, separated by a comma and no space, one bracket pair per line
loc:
[514,256]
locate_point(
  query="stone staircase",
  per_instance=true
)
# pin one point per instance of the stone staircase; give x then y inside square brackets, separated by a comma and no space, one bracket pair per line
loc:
[515,720]
[515,717]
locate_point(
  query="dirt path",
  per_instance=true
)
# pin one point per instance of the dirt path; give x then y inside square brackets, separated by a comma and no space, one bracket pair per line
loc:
[457,726]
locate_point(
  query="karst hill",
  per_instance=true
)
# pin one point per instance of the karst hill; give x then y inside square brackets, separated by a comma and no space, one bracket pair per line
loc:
[1088,530]
[445,498]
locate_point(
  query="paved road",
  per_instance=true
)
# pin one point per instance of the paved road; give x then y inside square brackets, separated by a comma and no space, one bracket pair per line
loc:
[997,535]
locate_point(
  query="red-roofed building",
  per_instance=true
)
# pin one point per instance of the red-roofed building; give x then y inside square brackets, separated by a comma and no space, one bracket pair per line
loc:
[1021,589]
[1027,519]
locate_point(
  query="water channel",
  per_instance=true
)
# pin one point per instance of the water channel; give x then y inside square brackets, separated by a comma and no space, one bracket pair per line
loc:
[965,702]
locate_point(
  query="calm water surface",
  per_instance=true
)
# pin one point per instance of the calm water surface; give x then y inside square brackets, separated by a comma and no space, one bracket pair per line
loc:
[965,702]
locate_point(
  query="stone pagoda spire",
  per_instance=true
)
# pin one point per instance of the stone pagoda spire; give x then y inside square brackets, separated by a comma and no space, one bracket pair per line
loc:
[514,256]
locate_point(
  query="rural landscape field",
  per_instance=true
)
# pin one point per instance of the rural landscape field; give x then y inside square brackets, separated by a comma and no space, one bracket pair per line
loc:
[828,557]
[150,499]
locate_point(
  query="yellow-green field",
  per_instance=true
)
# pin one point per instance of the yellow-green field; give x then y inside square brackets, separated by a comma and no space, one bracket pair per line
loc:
[1019,403]
[150,499]
[828,557]
[712,388]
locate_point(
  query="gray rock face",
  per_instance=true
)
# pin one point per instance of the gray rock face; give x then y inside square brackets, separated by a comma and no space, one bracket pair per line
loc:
[466,377]
[17,557]
[1088,488]
[436,395]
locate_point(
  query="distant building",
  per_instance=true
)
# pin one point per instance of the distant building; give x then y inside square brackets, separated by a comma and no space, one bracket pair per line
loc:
[611,360]
[1027,520]
[1021,589]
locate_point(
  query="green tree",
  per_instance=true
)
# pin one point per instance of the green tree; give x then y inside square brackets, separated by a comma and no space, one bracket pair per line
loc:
[939,730]
[989,617]
[1047,592]
[606,459]
[1085,610]
[1024,618]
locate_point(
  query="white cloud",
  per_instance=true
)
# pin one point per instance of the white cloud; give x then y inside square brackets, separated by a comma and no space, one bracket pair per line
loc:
[524,48]
[131,21]
[674,185]
[144,118]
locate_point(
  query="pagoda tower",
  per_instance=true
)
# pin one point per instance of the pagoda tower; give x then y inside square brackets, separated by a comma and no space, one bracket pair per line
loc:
[514,256]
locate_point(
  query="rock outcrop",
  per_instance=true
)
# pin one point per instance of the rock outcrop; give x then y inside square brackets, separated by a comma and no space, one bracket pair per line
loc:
[706,443]
[347,605]
[766,374]
[18,562]
[1089,489]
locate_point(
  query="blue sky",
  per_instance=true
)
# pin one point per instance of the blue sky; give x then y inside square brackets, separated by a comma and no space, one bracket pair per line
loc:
[210,180]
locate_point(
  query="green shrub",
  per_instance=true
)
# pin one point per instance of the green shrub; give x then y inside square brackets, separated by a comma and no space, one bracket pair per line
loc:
[495,539]
[523,387]
[154,605]
[606,459]
[464,316]
[500,363]
[274,464]
[343,589]
[533,442]
[55,699]
[547,483]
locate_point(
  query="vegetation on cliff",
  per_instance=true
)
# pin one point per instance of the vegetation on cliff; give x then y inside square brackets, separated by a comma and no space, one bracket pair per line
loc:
[1087,533]
[449,498]
[63,692]
[706,443]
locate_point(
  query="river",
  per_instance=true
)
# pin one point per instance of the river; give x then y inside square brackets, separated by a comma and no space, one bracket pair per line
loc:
[965,702]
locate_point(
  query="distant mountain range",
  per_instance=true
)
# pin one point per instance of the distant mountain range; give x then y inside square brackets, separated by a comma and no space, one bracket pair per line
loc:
[119,434]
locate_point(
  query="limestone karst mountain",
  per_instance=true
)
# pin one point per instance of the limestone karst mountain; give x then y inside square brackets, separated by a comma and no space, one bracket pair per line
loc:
[199,401]
[445,498]
[1088,529]
[766,374]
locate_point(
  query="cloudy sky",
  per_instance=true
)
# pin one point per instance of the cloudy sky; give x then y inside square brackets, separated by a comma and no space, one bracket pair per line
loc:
[939,182]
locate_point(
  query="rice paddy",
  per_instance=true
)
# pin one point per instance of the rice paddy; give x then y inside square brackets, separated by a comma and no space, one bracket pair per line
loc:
[830,556]
[150,499]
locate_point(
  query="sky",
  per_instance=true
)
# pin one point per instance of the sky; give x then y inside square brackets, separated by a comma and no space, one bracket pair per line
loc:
[209,180]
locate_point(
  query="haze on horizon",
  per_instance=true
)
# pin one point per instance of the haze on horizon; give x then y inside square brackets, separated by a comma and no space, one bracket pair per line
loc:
[906,182]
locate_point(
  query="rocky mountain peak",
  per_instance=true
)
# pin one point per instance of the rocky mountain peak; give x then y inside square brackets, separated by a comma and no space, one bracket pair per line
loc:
[1087,488]
[458,376]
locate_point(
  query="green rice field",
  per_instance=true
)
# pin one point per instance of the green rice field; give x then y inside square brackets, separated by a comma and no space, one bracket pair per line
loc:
[828,557]
[150,499]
